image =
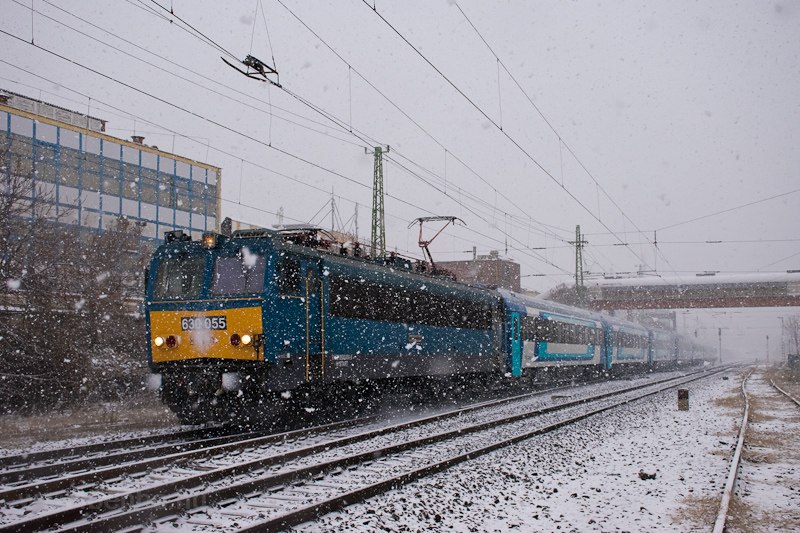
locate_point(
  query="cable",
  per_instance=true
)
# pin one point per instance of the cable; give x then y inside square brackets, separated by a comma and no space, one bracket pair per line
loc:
[560,139]
[223,95]
[730,209]
[155,66]
[779,261]
[222,151]
[306,161]
[400,110]
[208,39]
[492,121]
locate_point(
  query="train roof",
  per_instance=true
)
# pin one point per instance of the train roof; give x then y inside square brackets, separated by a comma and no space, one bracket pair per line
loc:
[522,300]
[549,305]
[297,242]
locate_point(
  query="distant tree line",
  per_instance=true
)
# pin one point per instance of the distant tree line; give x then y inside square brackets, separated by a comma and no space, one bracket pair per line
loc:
[70,328]
[573,295]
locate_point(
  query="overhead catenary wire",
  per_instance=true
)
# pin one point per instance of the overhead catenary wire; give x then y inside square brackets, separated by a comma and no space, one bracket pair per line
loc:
[228,153]
[198,32]
[327,115]
[307,103]
[515,143]
[173,63]
[495,124]
[561,141]
[398,108]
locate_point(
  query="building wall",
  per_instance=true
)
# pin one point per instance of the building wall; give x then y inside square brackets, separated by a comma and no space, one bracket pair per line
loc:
[97,178]
[490,270]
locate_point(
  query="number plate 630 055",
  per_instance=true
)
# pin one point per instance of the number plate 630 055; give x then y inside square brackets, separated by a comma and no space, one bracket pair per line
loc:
[192,323]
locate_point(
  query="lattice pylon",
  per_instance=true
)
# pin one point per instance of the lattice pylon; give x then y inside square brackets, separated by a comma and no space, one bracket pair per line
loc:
[378,241]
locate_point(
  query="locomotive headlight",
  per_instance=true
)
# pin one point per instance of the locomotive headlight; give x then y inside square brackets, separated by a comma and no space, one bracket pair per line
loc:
[209,240]
[159,342]
[246,340]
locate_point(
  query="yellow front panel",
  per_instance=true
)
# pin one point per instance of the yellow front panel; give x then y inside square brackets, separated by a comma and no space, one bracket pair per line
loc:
[196,337]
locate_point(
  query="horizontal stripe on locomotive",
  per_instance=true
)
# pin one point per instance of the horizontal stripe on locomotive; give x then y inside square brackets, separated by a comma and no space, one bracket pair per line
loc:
[358,298]
[628,354]
[549,351]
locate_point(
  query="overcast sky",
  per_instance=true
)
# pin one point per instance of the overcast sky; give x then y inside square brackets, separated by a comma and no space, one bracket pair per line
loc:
[522,118]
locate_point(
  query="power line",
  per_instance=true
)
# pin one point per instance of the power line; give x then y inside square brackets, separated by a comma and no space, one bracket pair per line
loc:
[399,109]
[341,125]
[218,124]
[550,125]
[730,209]
[228,153]
[223,95]
[494,123]
[780,260]
[198,32]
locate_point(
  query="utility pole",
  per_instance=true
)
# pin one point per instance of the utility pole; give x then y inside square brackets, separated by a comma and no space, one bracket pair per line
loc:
[720,345]
[333,211]
[356,217]
[655,245]
[378,240]
[579,244]
[783,343]
[768,349]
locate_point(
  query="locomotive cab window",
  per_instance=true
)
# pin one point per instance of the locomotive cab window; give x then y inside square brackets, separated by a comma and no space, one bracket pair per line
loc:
[239,274]
[288,274]
[179,277]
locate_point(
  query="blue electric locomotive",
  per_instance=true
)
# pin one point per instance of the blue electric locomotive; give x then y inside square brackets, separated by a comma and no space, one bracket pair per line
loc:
[235,322]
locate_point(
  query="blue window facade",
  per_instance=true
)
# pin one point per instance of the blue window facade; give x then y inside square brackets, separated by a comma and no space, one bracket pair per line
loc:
[95,178]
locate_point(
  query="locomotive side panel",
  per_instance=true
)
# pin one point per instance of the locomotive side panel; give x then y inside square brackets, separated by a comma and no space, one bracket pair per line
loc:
[382,323]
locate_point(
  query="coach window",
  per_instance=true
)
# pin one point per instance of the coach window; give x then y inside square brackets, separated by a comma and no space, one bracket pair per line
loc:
[179,277]
[239,274]
[288,273]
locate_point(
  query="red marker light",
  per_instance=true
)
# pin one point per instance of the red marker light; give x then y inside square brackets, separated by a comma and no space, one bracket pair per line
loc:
[172,341]
[236,340]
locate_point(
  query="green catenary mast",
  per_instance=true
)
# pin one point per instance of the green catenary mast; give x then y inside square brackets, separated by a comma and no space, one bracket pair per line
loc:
[378,241]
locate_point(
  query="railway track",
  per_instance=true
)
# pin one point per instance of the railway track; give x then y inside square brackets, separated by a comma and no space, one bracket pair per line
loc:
[730,483]
[82,464]
[274,485]
[17,469]
[789,396]
[27,460]
[728,491]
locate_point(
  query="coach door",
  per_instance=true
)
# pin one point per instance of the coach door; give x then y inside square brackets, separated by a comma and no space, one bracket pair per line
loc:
[516,345]
[315,324]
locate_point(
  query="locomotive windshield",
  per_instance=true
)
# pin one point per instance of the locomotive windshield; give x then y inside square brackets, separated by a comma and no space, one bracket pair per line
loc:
[238,274]
[179,277]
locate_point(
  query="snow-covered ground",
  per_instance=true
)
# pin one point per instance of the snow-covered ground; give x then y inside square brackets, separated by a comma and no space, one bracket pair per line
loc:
[584,477]
[82,425]
[768,489]
[643,467]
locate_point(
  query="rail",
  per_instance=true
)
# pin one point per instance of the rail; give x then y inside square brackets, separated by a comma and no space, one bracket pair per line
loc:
[727,494]
[792,398]
[153,504]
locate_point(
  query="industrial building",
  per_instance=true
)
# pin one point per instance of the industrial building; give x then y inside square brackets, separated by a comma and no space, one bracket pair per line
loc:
[96,178]
[491,270]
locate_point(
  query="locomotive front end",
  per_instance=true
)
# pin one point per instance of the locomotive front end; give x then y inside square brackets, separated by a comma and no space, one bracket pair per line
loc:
[205,318]
[218,334]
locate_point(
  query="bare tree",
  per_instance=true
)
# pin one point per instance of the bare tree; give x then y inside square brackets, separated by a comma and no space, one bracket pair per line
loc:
[32,283]
[791,330]
[568,295]
[68,313]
